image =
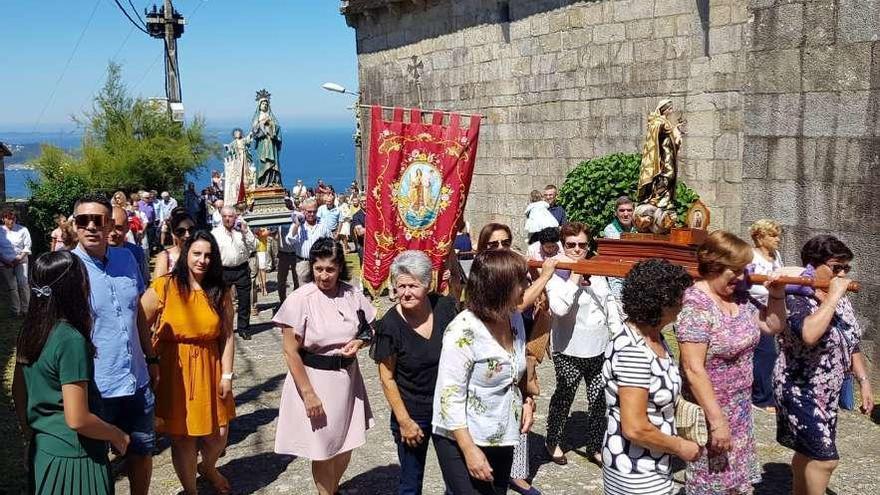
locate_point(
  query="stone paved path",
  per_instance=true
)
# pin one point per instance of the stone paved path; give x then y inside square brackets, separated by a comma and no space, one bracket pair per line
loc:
[252,467]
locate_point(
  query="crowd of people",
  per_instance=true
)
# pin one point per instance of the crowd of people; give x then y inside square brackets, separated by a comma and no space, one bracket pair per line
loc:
[112,355]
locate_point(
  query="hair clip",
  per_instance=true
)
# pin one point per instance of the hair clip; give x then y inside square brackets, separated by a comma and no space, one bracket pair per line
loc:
[44,291]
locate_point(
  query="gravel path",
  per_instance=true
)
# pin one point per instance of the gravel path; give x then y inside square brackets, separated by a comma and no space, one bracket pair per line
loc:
[253,467]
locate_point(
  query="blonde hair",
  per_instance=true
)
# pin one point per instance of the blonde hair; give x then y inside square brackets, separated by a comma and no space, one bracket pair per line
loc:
[722,250]
[763,228]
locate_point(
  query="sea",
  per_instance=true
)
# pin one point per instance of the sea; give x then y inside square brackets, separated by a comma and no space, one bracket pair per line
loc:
[309,154]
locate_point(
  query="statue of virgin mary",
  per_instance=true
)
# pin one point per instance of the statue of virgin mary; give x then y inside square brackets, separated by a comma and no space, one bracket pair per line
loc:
[266,135]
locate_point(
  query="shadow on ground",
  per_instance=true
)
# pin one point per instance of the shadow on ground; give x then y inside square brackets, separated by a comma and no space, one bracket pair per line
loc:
[12,455]
[382,480]
[261,470]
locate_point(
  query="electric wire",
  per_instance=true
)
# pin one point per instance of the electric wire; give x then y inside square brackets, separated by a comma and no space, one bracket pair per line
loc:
[128,16]
[67,65]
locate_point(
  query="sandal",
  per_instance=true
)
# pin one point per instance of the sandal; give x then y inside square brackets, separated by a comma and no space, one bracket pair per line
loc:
[218,481]
[561,460]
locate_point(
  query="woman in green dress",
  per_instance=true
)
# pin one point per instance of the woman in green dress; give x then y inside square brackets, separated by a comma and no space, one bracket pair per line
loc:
[54,389]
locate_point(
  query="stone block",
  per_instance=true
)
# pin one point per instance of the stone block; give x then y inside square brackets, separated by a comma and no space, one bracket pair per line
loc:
[727,146]
[725,39]
[650,51]
[819,68]
[593,13]
[520,29]
[671,7]
[698,147]
[678,48]
[755,164]
[567,61]
[719,15]
[820,16]
[544,64]
[627,10]
[854,66]
[593,56]
[687,24]
[664,27]
[774,115]
[777,71]
[609,33]
[576,17]
[821,114]
[784,159]
[559,21]
[640,29]
[852,114]
[739,12]
[778,27]
[550,43]
[858,20]
[621,53]
[540,25]
[576,38]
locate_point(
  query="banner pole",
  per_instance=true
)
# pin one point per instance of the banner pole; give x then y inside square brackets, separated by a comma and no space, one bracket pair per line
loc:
[426,111]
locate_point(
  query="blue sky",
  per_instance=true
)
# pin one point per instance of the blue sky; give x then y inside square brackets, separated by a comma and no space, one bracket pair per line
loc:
[230,50]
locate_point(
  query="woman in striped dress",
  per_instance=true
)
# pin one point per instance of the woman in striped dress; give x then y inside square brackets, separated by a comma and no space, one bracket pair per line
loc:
[642,385]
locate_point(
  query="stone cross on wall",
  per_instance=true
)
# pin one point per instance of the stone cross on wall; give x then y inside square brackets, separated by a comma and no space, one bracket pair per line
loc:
[415,72]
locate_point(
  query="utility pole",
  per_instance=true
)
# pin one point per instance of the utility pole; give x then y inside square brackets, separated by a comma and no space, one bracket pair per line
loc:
[167,24]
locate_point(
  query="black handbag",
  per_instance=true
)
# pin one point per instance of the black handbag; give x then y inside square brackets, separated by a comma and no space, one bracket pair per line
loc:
[365,330]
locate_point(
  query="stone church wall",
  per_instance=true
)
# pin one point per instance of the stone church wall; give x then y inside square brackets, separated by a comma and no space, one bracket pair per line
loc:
[781,100]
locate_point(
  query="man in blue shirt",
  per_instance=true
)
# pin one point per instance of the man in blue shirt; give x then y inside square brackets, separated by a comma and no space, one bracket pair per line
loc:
[118,236]
[328,213]
[121,339]
[147,206]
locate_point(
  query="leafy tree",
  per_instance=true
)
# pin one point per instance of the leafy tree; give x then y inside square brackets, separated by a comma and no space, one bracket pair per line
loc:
[128,144]
[590,190]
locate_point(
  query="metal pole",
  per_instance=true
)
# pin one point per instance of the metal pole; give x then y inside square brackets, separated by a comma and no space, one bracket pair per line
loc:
[172,77]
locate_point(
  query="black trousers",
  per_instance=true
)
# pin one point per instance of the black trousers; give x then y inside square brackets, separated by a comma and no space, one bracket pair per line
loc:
[240,277]
[455,473]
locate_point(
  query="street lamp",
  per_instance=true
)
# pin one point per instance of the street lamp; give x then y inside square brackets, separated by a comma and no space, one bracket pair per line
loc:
[359,167]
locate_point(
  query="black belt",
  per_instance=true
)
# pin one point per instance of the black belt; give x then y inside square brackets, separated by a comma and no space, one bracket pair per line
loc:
[237,267]
[321,362]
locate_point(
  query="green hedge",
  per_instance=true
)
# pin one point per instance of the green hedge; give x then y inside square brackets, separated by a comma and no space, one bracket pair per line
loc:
[590,190]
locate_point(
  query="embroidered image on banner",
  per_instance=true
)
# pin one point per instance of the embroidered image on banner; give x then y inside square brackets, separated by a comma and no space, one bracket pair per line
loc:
[417,184]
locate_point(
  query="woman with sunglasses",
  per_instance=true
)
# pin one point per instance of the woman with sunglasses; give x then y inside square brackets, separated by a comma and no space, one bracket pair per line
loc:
[584,316]
[718,329]
[182,228]
[192,310]
[820,346]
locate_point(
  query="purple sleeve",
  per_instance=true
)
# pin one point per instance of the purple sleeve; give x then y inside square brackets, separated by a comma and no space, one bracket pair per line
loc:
[694,322]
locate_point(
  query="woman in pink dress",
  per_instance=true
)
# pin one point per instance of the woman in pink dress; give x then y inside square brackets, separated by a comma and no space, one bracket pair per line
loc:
[718,329]
[324,412]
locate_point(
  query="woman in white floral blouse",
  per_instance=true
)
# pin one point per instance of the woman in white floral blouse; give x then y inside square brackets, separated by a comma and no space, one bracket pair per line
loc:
[479,405]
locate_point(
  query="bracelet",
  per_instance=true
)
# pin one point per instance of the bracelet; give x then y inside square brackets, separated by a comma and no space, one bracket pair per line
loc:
[227,376]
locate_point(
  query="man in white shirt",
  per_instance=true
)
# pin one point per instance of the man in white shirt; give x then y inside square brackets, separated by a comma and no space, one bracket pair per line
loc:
[329,214]
[163,214]
[299,190]
[216,217]
[623,219]
[236,243]
[15,247]
[304,231]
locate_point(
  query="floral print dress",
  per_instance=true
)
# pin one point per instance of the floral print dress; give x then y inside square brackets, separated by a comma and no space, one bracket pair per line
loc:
[807,379]
[478,383]
[731,343]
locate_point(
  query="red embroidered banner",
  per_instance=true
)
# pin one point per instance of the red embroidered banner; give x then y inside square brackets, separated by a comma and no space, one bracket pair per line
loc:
[417,184]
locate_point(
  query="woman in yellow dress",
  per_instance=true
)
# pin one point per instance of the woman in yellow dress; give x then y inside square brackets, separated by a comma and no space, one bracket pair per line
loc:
[194,343]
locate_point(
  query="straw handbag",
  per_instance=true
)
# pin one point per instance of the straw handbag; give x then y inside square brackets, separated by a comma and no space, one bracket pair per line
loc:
[690,422]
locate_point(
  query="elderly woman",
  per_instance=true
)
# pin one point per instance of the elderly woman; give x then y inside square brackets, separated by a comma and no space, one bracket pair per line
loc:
[408,342]
[324,412]
[192,308]
[182,228]
[584,315]
[765,236]
[480,409]
[820,345]
[642,385]
[718,329]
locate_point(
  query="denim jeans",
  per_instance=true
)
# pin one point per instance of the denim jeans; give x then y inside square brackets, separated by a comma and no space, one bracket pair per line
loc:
[412,459]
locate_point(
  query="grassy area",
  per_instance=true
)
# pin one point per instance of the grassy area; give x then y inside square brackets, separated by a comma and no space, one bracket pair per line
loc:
[11,450]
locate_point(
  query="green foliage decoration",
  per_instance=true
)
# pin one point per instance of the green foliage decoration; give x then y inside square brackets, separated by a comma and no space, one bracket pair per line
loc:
[591,189]
[129,144]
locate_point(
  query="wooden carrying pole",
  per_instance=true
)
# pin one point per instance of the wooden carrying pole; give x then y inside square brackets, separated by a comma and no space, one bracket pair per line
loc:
[612,269]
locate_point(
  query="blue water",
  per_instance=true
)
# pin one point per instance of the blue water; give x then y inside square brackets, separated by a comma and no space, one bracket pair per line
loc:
[307,154]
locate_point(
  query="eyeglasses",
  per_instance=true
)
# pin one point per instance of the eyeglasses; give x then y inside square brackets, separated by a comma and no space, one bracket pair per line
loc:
[572,245]
[182,231]
[497,244]
[836,268]
[82,221]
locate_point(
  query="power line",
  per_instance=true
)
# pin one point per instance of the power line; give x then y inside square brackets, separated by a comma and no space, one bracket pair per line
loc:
[67,64]
[137,14]
[128,16]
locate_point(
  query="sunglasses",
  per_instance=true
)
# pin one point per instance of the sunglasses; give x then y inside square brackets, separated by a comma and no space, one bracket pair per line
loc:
[835,268]
[497,244]
[572,245]
[182,231]
[82,221]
